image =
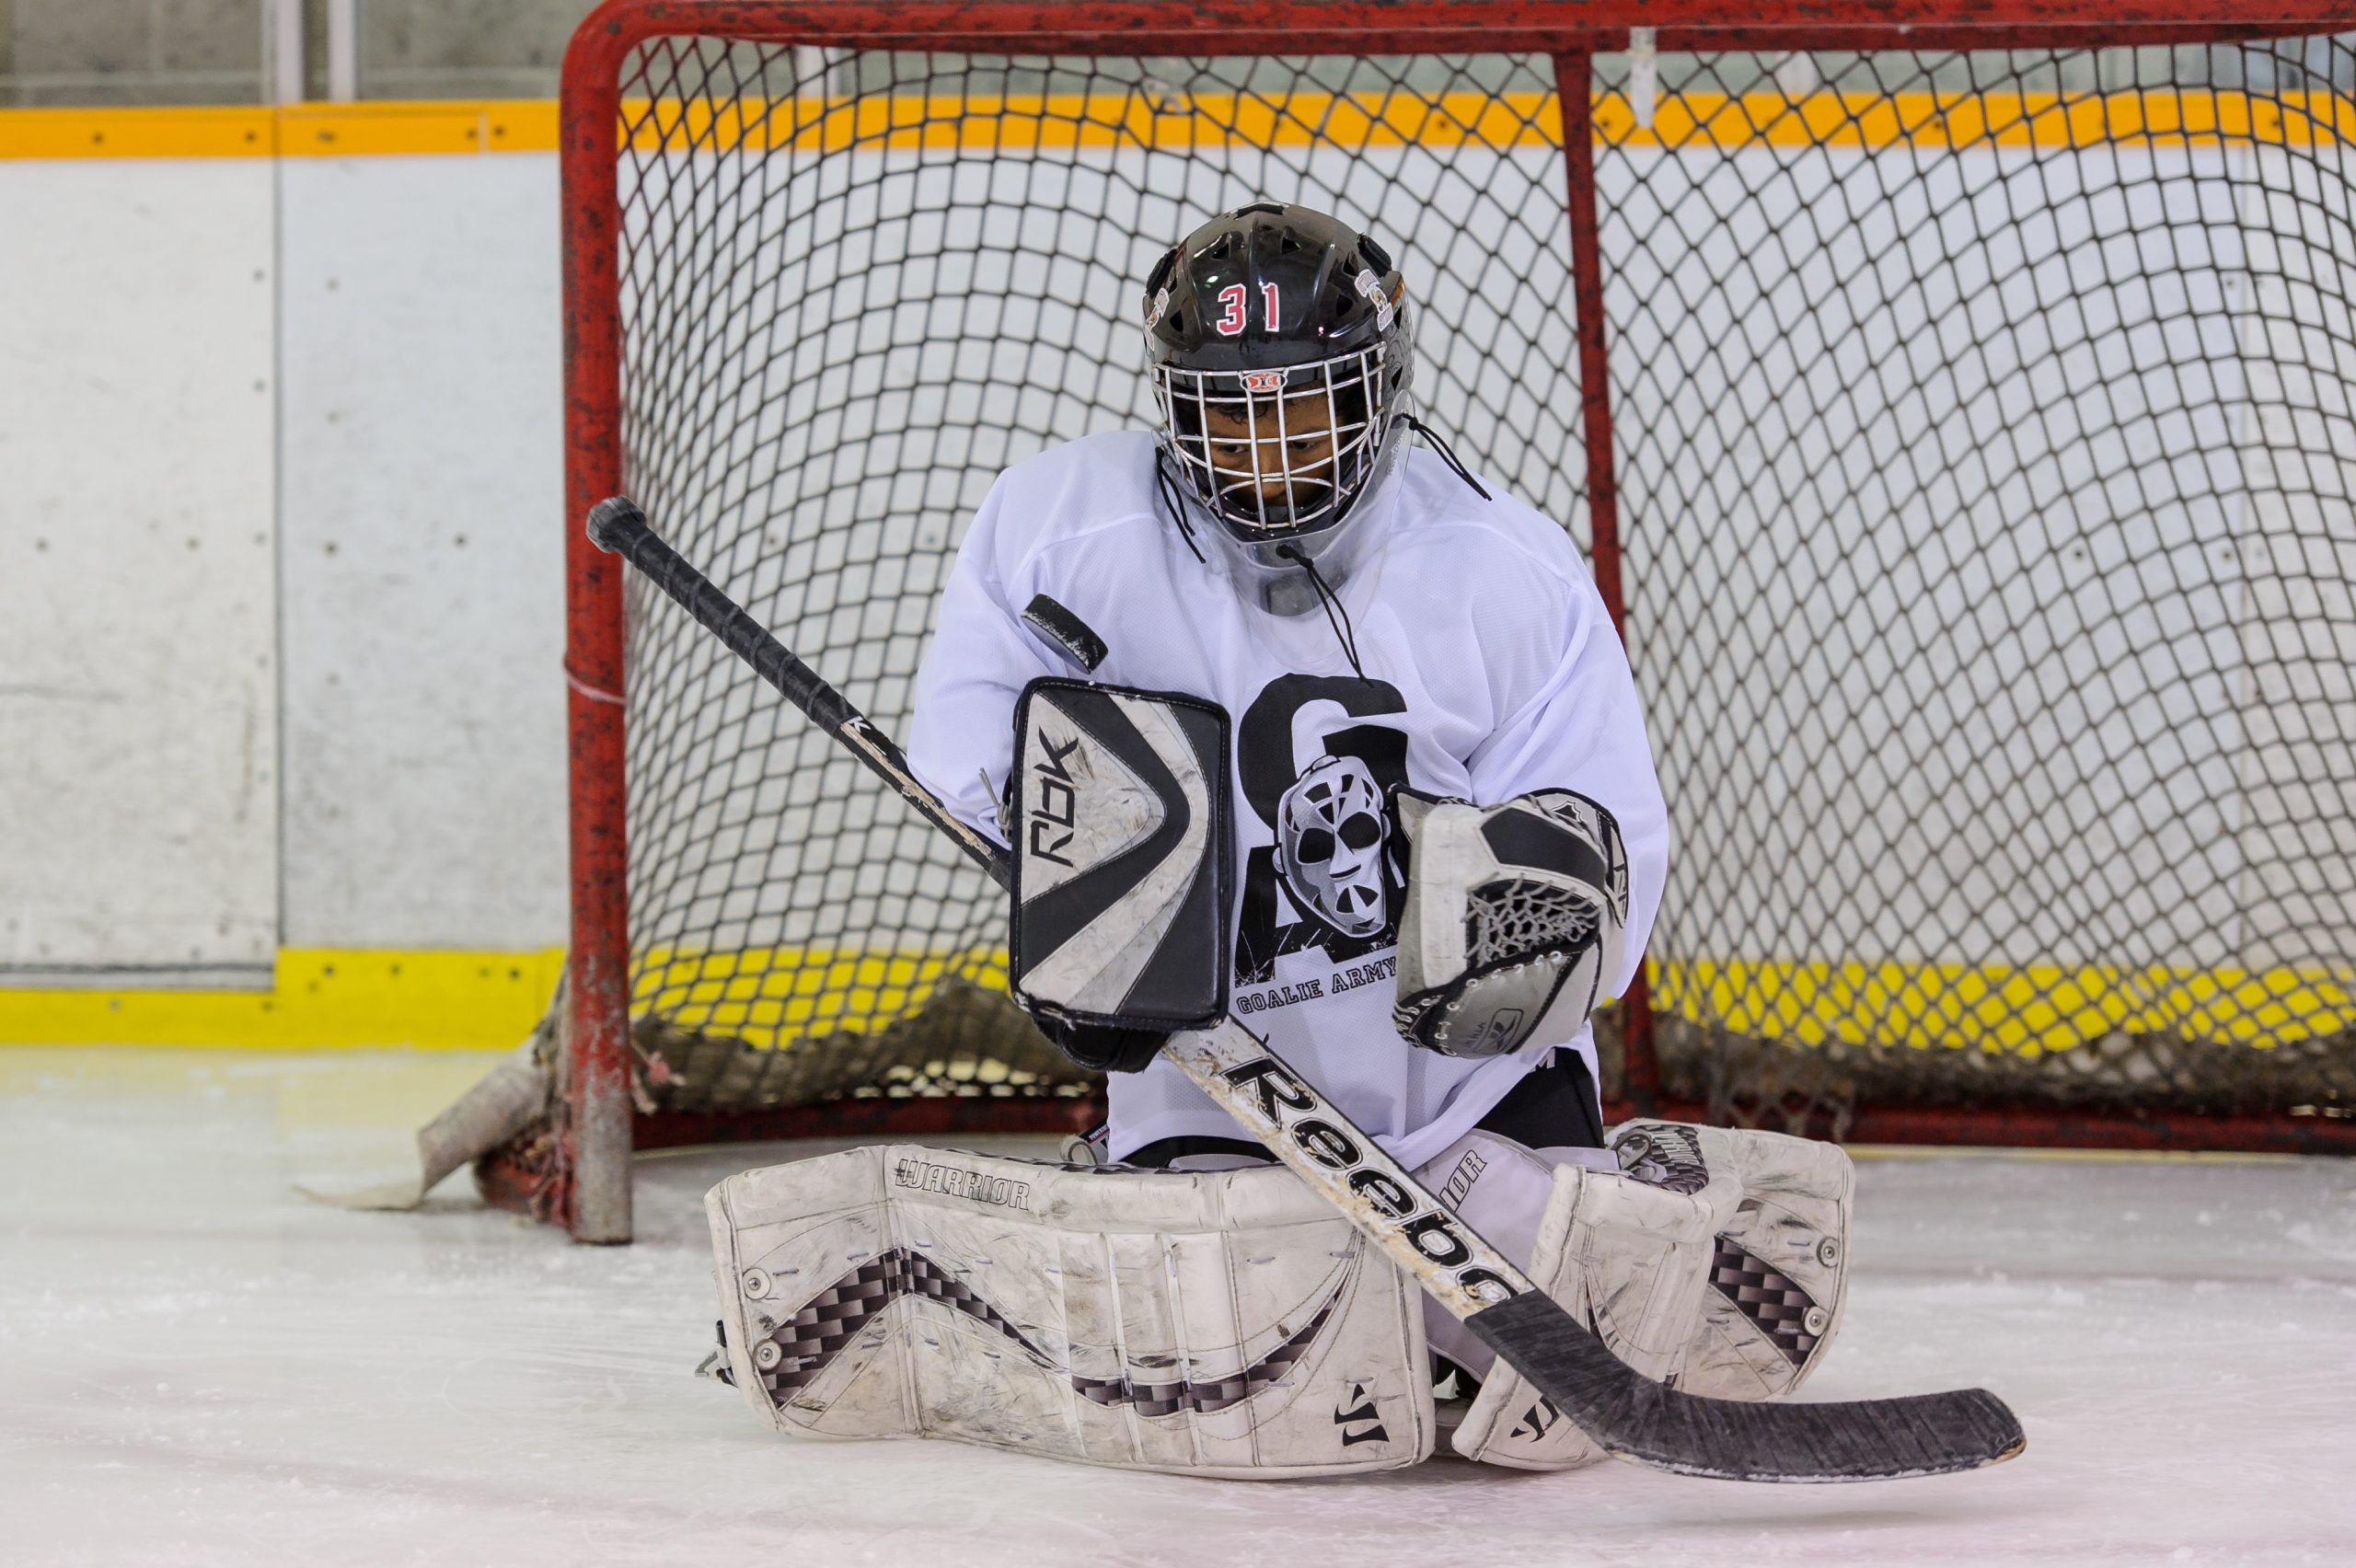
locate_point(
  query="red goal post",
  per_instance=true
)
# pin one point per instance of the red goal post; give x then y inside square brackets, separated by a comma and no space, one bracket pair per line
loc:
[1928,888]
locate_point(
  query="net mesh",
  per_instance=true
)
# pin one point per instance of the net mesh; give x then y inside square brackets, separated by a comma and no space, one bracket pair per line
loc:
[1985,446]
[1988,450]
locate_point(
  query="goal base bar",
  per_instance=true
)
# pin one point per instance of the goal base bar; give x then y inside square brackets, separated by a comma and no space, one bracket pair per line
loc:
[2325,1131]
[505,1182]
[509,1178]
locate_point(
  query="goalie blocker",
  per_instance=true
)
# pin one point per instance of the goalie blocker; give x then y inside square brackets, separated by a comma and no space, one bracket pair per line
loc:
[1118,807]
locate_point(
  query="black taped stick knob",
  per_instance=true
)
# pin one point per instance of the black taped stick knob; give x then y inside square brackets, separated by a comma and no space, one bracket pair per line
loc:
[614,520]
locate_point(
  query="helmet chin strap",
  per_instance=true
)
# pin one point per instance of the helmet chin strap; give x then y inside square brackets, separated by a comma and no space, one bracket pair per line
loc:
[1177,504]
[1337,614]
[1446,453]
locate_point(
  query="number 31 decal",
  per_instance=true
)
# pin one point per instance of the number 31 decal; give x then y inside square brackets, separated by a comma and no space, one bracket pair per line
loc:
[1230,301]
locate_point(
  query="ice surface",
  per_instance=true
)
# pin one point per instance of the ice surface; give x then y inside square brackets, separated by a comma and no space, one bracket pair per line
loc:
[199,1366]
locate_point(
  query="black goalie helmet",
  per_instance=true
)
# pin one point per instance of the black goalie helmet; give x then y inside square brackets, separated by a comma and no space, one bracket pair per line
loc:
[1278,345]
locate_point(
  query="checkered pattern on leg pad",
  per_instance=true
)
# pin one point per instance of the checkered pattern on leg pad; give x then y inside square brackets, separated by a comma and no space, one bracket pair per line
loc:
[815,1334]
[1772,1300]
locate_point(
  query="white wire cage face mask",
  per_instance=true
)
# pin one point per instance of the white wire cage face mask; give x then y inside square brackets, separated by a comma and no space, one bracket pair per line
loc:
[1278,452]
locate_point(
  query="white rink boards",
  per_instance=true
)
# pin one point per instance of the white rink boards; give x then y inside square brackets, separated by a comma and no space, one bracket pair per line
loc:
[372,600]
[139,691]
[199,1366]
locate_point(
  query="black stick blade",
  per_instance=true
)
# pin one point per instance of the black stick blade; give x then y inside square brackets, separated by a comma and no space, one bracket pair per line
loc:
[613,521]
[1634,1418]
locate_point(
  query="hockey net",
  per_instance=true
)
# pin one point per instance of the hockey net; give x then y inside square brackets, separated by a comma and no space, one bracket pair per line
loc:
[1982,422]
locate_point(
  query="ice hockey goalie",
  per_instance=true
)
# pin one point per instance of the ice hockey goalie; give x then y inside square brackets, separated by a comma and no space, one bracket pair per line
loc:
[1425,842]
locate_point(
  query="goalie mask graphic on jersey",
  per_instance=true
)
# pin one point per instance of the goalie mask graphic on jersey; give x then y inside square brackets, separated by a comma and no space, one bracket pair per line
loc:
[1331,829]
[1317,758]
[1281,353]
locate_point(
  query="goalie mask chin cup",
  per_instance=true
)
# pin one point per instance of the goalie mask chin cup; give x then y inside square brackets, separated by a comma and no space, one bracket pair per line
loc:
[1285,332]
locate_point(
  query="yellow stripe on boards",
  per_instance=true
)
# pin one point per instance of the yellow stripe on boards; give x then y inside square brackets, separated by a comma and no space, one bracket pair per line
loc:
[2027,1010]
[329,998]
[775,996]
[1017,124]
[138,132]
[1025,122]
[1355,121]
[2167,116]
[350,130]
[316,130]
[318,998]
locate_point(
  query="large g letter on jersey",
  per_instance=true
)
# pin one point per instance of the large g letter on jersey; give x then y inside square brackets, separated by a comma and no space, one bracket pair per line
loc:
[1513,923]
[1122,843]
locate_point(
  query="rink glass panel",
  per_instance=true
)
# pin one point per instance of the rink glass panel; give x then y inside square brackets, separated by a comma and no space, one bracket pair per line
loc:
[1984,427]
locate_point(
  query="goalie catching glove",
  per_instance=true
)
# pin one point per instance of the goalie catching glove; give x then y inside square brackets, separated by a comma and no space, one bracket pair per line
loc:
[1513,922]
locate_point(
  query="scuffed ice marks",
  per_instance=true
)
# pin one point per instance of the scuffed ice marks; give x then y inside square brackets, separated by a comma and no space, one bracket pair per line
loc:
[790,1356]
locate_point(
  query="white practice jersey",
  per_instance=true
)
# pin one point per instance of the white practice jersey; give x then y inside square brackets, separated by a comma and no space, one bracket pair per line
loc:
[1491,669]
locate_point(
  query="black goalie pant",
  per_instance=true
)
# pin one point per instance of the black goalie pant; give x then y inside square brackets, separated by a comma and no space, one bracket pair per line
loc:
[1553,1107]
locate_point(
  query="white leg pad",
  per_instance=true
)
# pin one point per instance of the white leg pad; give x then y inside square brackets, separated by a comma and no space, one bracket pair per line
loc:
[1717,1261]
[1779,1268]
[1226,1323]
[1626,1258]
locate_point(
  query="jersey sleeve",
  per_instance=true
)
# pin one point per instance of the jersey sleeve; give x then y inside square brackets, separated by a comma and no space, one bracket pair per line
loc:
[960,742]
[1584,730]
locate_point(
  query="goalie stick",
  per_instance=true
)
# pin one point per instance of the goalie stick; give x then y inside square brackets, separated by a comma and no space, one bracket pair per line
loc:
[1627,1413]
